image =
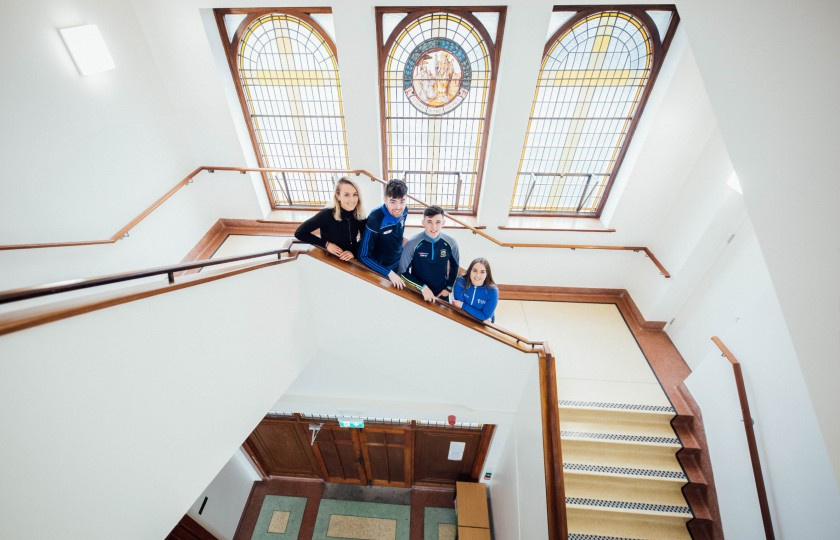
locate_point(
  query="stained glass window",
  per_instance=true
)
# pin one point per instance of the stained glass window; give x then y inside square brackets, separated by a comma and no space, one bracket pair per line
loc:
[595,76]
[287,72]
[438,74]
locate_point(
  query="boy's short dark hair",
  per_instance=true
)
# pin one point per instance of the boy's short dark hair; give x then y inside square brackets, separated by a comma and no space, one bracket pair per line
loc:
[432,211]
[396,189]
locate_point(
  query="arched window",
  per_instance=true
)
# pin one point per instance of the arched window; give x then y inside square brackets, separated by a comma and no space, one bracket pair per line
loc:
[285,67]
[437,74]
[597,72]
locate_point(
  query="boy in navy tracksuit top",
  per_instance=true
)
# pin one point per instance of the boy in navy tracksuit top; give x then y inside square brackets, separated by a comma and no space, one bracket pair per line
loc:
[429,261]
[382,239]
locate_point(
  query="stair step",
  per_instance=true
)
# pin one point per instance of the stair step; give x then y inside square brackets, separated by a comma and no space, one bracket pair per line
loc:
[619,438]
[584,536]
[630,507]
[632,456]
[597,524]
[617,423]
[624,472]
[616,416]
[645,491]
[652,410]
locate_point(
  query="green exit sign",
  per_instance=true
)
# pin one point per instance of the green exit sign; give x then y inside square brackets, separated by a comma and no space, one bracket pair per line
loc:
[356,423]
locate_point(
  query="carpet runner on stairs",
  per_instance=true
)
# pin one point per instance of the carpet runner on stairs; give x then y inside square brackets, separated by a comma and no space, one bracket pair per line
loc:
[623,480]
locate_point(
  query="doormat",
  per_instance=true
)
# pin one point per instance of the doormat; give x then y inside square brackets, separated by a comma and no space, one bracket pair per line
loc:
[374,494]
[361,520]
[280,518]
[439,524]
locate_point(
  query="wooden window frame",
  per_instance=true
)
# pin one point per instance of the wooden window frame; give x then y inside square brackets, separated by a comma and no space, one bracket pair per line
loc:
[660,46]
[231,46]
[494,54]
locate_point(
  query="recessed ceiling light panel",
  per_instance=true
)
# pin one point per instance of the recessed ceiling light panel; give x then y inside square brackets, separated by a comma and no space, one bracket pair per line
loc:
[88,49]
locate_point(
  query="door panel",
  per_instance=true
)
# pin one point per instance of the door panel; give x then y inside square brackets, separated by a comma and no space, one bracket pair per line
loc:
[281,449]
[338,452]
[383,455]
[387,453]
[431,455]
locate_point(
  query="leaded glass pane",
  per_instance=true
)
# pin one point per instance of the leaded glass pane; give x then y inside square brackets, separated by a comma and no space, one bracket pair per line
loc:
[289,77]
[588,92]
[436,80]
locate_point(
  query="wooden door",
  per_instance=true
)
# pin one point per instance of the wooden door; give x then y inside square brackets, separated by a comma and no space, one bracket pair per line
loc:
[280,447]
[431,455]
[387,455]
[338,453]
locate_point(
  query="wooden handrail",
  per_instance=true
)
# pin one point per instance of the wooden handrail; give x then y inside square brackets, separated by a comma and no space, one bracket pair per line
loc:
[479,232]
[123,232]
[37,291]
[748,428]
[39,315]
[573,247]
[552,453]
[549,404]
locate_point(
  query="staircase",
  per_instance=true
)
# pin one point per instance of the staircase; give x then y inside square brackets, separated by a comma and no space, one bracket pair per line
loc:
[623,479]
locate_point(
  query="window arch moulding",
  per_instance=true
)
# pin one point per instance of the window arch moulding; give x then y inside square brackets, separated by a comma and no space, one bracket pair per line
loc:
[285,69]
[598,70]
[437,74]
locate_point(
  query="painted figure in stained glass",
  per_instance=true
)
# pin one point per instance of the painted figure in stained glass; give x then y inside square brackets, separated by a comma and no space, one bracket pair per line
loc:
[423,79]
[437,76]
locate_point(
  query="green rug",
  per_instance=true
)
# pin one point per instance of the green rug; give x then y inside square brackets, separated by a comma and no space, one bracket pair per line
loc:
[361,520]
[280,518]
[439,524]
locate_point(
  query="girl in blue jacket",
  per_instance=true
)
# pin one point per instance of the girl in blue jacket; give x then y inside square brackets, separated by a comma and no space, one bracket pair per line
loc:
[480,296]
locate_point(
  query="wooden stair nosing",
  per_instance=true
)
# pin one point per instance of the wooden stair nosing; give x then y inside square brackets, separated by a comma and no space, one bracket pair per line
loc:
[701,528]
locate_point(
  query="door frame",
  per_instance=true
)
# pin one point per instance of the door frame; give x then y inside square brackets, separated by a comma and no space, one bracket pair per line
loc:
[411,428]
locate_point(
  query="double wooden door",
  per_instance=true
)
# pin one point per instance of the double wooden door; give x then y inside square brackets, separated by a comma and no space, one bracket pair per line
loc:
[374,455]
[382,455]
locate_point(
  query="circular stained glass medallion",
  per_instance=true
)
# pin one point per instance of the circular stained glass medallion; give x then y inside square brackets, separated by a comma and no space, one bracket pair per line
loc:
[437,76]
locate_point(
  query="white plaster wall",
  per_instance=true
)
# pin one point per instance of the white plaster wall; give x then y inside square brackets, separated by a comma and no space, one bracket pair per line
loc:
[692,234]
[779,126]
[84,155]
[127,413]
[713,387]
[381,356]
[416,354]
[195,88]
[163,238]
[517,489]
[736,301]
[167,107]
[677,118]
[226,497]
[504,503]
[325,388]
[59,128]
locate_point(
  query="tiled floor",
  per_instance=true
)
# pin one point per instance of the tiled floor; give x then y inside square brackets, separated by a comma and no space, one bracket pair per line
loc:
[313,524]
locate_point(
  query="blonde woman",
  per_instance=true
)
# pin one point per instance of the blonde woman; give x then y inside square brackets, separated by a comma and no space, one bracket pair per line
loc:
[338,225]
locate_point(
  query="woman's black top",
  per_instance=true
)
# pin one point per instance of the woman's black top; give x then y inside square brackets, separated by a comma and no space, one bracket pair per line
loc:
[344,233]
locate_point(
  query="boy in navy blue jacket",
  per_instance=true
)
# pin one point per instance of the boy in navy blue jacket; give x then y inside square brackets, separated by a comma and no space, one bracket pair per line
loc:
[429,261]
[382,239]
